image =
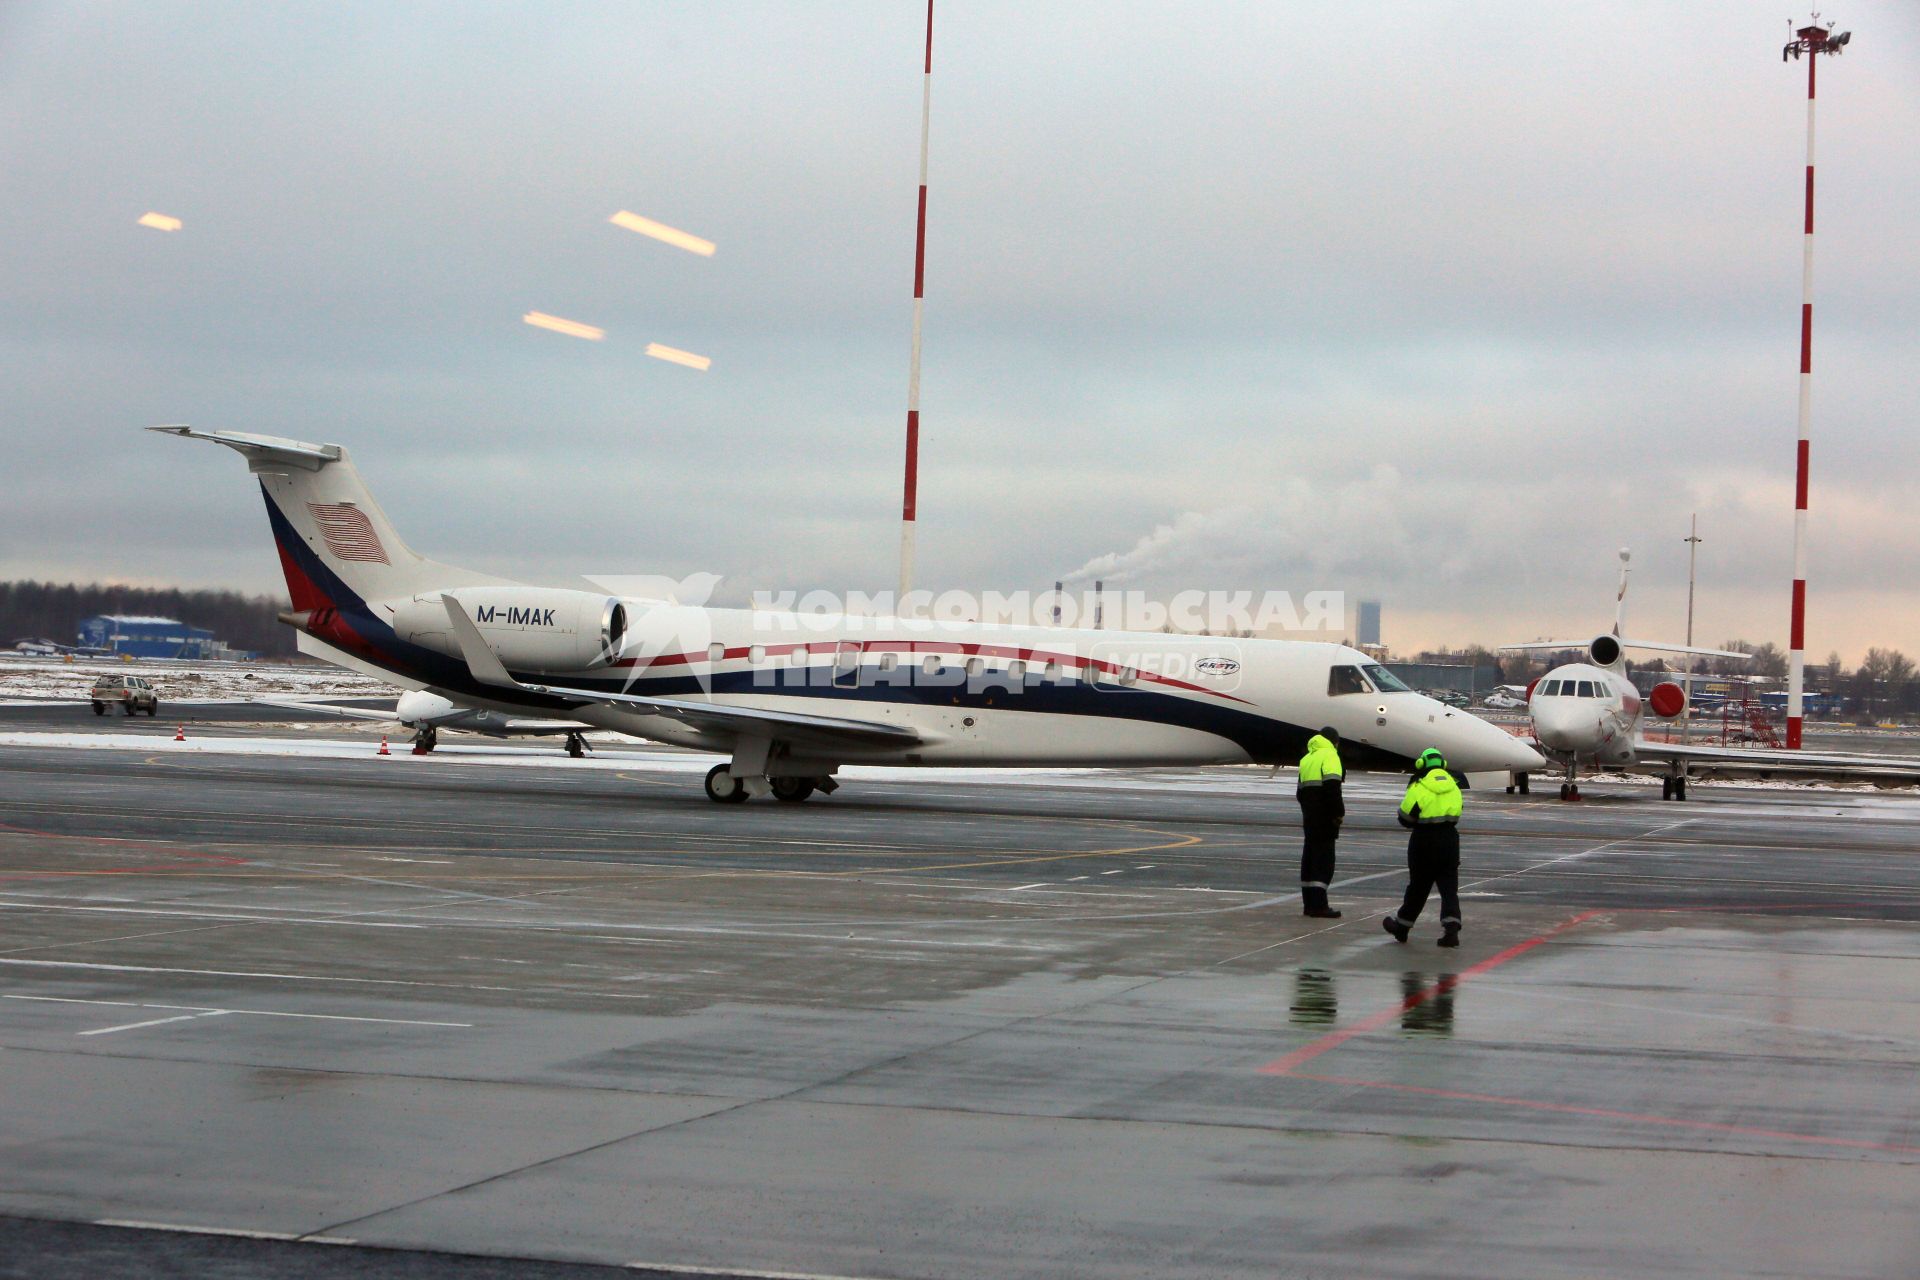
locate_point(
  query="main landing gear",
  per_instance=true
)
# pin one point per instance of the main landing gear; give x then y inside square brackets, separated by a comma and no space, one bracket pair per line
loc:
[1674,788]
[724,788]
[1519,784]
[576,745]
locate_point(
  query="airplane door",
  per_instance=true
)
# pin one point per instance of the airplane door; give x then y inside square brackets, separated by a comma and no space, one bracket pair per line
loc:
[846,665]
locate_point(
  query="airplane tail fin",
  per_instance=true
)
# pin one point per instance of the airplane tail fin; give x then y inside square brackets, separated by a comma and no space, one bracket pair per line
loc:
[1620,597]
[337,547]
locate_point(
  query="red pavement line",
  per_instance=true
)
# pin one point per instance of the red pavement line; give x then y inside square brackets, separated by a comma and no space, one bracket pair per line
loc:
[208,859]
[1607,1113]
[1334,1039]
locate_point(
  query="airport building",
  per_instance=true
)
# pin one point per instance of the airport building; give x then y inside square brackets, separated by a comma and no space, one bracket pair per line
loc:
[150,637]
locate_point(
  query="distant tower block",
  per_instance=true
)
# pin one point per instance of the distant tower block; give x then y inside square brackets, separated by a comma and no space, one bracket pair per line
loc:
[1058,587]
[1367,623]
[1099,610]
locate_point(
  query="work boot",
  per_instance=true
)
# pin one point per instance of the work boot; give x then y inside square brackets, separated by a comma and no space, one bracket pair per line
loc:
[1451,938]
[1394,927]
[1322,913]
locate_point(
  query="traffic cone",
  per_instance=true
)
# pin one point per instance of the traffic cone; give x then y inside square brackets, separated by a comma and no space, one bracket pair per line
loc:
[383,746]
[180,733]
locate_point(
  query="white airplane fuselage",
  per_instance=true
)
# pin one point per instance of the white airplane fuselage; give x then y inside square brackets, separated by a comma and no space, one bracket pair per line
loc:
[1583,712]
[983,694]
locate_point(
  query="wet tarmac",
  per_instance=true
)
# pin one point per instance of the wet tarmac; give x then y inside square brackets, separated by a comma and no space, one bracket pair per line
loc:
[502,1003]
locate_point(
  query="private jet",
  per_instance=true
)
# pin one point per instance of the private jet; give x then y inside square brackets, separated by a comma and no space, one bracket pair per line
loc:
[789,699]
[1590,713]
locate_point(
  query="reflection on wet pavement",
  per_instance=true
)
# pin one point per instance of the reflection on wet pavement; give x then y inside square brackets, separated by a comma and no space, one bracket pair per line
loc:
[1432,1016]
[1314,1001]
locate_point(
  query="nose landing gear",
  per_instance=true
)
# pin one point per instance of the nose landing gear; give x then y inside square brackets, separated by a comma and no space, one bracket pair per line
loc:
[425,739]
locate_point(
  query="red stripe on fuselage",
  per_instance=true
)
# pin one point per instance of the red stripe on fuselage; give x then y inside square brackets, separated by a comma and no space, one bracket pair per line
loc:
[1012,653]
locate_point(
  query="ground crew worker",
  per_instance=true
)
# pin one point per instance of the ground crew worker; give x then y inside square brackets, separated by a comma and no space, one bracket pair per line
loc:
[1432,811]
[1322,809]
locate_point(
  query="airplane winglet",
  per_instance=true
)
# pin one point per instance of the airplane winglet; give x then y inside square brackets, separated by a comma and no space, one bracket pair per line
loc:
[261,448]
[482,661]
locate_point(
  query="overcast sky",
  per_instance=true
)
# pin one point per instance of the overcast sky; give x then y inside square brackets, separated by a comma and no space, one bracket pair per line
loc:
[1435,303]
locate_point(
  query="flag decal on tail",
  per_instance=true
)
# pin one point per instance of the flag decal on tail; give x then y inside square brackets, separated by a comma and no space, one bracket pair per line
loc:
[348,532]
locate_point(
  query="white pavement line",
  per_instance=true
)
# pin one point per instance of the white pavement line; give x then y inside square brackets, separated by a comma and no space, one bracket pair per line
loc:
[1580,853]
[1038,884]
[253,1013]
[1116,871]
[1378,875]
[151,1022]
[242,1232]
[241,973]
[748,1273]
[211,915]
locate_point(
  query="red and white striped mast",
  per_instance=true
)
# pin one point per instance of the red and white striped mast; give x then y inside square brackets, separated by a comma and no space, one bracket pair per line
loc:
[1809,42]
[909,498]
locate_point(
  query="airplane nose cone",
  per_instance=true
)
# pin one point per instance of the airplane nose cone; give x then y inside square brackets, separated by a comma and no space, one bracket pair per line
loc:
[1489,748]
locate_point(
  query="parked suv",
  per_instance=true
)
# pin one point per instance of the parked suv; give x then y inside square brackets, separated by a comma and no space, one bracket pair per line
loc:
[131,692]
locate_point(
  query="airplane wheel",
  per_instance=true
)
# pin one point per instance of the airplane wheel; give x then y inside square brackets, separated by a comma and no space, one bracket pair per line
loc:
[1666,788]
[792,790]
[576,746]
[723,787]
[1523,784]
[1679,788]
[99,708]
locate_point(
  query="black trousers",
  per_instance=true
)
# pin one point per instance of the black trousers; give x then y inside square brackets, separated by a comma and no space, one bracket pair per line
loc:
[1316,859]
[1433,862]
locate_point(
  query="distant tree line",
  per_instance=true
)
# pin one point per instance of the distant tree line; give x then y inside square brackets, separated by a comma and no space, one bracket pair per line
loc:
[35,610]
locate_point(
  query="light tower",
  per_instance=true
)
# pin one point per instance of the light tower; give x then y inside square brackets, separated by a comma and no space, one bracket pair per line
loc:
[1808,42]
[909,494]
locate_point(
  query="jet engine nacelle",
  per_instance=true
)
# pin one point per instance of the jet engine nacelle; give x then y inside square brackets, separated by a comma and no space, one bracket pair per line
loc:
[531,628]
[1667,700]
[1604,651]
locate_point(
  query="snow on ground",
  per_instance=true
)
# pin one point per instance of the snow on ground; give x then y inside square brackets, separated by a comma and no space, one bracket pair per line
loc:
[1244,780]
[43,679]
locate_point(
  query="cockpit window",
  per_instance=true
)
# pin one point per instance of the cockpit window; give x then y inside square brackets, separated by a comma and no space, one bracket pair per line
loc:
[1346,680]
[1384,680]
[1549,688]
[1586,689]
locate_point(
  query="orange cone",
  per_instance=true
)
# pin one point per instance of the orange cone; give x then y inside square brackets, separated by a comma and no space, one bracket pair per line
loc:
[180,733]
[383,746]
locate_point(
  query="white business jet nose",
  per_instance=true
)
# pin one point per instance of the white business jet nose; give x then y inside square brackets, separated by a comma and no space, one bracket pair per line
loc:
[1485,748]
[1565,724]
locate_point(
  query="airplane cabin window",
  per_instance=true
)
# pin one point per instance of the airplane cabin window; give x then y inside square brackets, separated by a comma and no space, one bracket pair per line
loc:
[1016,669]
[757,653]
[888,661]
[1052,672]
[1384,680]
[975,666]
[1345,680]
[931,665]
[716,651]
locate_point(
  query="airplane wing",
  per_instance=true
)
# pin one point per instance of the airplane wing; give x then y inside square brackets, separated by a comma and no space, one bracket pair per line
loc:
[709,717]
[1656,646]
[512,728]
[1768,760]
